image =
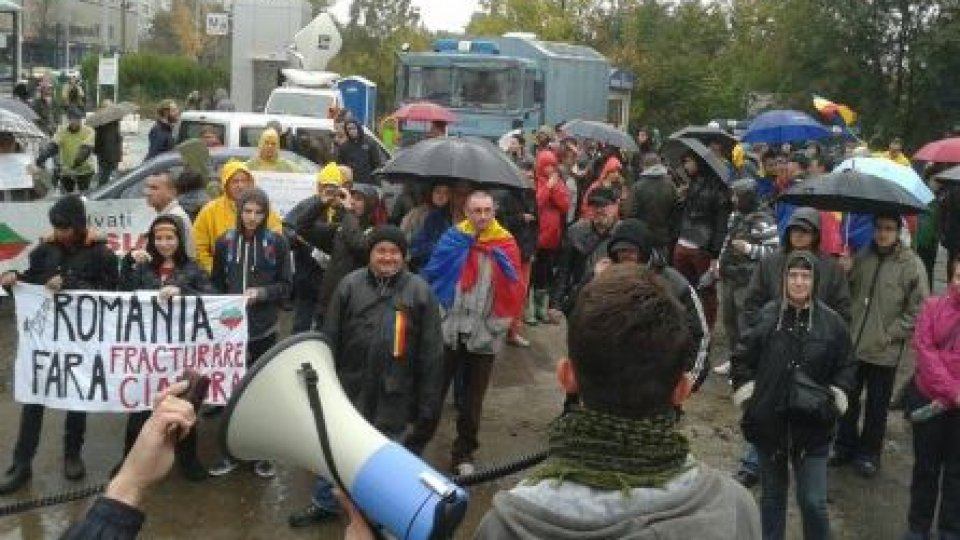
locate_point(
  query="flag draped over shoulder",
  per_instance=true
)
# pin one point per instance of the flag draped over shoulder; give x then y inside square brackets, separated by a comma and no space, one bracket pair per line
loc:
[456,263]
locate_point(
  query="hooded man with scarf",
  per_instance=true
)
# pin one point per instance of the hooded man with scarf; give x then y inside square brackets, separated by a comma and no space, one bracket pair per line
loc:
[358,153]
[74,257]
[475,273]
[253,261]
[220,215]
[268,155]
[795,338]
[617,465]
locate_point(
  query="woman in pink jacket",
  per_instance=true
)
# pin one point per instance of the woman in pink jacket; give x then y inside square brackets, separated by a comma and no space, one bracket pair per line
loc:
[936,441]
[553,201]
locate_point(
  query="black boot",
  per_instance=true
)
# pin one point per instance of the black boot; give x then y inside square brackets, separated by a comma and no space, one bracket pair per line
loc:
[15,478]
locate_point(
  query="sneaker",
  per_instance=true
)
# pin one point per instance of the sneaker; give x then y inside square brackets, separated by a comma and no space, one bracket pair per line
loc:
[225,467]
[518,341]
[311,515]
[866,468]
[15,478]
[722,369]
[747,479]
[265,469]
[73,468]
[465,468]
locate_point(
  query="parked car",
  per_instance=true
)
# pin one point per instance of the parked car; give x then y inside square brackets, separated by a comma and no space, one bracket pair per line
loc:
[130,184]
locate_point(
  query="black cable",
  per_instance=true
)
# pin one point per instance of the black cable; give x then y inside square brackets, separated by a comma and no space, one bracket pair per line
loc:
[481,476]
[51,500]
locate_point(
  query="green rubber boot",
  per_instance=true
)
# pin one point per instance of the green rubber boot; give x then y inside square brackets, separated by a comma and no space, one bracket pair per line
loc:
[530,311]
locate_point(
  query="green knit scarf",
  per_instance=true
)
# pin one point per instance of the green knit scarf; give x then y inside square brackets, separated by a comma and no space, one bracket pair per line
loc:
[610,453]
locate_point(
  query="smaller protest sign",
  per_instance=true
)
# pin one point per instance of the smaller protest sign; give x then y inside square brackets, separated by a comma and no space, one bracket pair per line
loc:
[14,173]
[286,189]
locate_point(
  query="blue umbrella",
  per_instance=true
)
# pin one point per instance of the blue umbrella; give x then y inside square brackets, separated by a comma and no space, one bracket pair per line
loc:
[782,126]
[901,175]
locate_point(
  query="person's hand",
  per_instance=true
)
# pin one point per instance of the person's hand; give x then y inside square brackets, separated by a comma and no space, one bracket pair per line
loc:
[553,180]
[845,262]
[741,246]
[602,265]
[140,256]
[168,291]
[357,526]
[527,218]
[152,454]
[252,295]
[8,279]
[55,283]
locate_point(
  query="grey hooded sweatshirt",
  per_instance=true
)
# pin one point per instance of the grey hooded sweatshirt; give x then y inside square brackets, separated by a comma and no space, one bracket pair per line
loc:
[701,503]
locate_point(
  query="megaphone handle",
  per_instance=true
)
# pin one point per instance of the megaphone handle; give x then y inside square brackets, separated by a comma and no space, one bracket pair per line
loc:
[311,378]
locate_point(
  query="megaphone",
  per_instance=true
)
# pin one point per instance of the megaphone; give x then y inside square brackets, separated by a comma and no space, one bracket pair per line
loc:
[290,407]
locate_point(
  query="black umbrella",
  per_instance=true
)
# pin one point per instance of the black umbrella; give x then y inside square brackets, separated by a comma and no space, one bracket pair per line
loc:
[598,131]
[673,151]
[706,135]
[455,158]
[111,113]
[854,191]
[18,107]
[951,175]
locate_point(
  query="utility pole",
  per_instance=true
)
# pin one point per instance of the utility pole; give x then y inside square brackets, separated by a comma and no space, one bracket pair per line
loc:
[123,26]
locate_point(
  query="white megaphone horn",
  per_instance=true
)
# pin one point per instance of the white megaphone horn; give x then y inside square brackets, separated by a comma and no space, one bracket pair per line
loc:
[290,407]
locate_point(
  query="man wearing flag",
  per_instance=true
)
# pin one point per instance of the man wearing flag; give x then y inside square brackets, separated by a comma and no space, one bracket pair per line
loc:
[474,271]
[383,326]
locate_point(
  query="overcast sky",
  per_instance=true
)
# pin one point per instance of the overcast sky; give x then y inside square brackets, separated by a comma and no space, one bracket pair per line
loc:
[450,15]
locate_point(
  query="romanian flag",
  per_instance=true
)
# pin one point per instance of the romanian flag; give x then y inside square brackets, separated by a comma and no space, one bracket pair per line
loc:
[400,327]
[837,113]
[455,265]
[11,243]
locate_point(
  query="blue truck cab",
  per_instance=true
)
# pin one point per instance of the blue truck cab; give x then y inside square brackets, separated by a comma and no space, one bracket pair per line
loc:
[494,85]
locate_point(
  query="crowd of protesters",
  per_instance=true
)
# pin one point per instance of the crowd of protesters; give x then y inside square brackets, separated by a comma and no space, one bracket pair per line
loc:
[814,318]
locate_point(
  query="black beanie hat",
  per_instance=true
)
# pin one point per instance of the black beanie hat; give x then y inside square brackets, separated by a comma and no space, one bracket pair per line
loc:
[388,233]
[629,232]
[68,213]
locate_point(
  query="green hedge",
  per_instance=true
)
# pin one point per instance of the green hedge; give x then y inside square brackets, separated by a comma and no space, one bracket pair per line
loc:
[148,78]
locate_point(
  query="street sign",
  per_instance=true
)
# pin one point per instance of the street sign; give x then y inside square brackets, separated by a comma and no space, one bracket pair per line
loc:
[218,24]
[108,70]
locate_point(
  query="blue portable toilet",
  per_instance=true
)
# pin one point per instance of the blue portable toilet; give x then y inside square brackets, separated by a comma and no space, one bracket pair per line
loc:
[360,98]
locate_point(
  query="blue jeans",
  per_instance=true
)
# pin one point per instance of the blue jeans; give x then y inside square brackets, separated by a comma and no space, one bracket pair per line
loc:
[810,471]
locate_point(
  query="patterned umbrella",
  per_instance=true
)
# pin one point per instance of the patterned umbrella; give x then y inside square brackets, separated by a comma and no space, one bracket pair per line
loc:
[18,126]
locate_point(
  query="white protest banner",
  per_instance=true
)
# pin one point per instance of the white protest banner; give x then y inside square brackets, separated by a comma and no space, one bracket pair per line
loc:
[110,351]
[13,171]
[285,189]
[121,222]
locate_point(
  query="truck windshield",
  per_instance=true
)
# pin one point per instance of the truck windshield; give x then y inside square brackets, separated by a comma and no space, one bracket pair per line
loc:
[312,104]
[431,83]
[488,87]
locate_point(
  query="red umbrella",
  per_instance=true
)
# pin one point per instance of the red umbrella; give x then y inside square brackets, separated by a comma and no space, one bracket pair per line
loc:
[424,111]
[942,151]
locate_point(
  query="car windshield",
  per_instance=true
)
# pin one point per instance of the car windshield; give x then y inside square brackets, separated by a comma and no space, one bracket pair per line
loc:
[315,105]
[431,83]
